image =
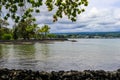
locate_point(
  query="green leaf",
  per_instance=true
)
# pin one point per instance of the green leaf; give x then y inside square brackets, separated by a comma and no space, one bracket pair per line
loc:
[0,7]
[37,11]
[83,10]
[21,4]
[8,15]
[5,17]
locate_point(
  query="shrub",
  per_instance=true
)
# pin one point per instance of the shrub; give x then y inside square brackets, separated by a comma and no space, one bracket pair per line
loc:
[7,37]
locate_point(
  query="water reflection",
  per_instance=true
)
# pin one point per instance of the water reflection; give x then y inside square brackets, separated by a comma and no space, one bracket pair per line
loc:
[5,55]
[24,56]
[1,51]
[84,54]
[25,51]
[42,51]
[17,56]
[1,54]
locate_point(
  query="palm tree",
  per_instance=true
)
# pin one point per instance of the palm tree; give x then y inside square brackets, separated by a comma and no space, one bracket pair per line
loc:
[45,30]
[39,33]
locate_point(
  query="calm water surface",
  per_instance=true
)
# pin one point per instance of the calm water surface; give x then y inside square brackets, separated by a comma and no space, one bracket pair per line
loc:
[80,55]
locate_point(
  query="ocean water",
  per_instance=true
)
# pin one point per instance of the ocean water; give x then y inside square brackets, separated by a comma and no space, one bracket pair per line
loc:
[85,54]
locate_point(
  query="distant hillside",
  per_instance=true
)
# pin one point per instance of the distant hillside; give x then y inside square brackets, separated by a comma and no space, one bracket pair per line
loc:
[90,35]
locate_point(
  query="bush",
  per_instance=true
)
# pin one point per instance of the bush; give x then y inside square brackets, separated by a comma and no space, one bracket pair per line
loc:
[7,37]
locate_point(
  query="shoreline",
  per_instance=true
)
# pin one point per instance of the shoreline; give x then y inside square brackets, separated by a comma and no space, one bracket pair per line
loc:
[12,74]
[30,41]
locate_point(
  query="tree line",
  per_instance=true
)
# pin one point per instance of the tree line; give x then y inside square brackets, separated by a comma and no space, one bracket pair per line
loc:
[20,11]
[23,30]
[88,35]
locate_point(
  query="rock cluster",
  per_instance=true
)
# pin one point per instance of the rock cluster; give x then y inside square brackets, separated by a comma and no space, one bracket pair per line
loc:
[6,74]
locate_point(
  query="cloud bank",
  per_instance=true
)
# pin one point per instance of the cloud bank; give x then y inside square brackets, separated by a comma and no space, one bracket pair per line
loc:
[100,16]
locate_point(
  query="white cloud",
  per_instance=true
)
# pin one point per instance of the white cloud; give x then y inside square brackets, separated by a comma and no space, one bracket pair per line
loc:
[100,15]
[94,12]
[103,3]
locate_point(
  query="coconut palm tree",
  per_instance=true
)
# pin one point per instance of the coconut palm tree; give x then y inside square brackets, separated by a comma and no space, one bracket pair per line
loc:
[45,30]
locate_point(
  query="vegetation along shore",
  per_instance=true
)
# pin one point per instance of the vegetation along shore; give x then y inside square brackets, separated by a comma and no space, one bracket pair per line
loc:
[31,41]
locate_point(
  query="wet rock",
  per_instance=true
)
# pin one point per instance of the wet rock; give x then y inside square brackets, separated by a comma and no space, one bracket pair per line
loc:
[6,74]
[55,76]
[45,75]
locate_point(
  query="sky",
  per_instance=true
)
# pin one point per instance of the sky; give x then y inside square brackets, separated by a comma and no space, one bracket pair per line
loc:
[100,16]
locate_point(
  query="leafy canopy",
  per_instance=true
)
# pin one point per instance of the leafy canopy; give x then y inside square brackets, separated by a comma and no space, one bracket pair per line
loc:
[68,7]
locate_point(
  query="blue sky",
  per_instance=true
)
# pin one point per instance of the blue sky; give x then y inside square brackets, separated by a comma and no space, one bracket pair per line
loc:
[100,16]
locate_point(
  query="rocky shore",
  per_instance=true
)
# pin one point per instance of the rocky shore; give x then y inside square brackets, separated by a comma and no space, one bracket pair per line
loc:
[30,41]
[7,74]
